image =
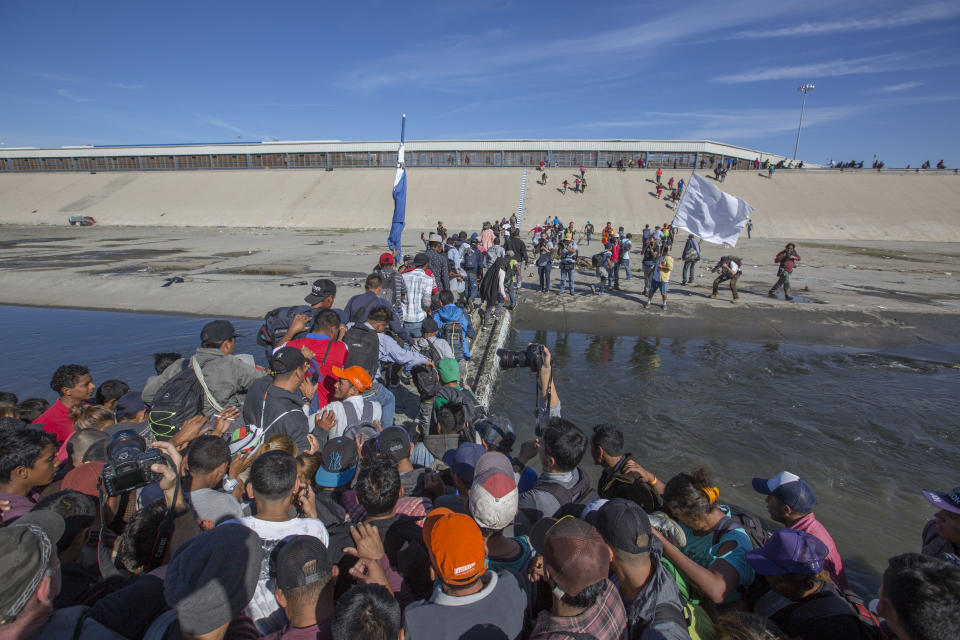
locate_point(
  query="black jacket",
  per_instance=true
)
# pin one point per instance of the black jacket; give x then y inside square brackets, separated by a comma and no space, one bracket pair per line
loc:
[519,248]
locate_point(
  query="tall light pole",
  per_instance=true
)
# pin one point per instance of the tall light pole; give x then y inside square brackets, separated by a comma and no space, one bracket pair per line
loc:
[804,89]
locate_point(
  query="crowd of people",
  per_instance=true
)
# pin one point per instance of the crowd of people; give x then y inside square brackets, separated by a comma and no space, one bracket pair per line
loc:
[219,499]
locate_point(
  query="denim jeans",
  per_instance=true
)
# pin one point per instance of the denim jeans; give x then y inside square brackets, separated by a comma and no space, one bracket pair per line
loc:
[566,275]
[544,278]
[471,286]
[413,328]
[626,267]
[689,266]
[615,275]
[648,274]
[388,403]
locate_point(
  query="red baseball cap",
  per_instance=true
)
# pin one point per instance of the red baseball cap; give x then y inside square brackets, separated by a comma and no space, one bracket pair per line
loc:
[386,258]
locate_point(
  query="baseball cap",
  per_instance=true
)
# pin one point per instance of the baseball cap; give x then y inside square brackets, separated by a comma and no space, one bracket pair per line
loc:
[789,551]
[26,546]
[448,369]
[83,478]
[435,237]
[130,404]
[429,326]
[455,545]
[338,463]
[494,495]
[320,291]
[420,260]
[621,522]
[386,258]
[213,576]
[217,331]
[573,550]
[394,442]
[365,430]
[789,489]
[463,460]
[302,560]
[949,501]
[287,359]
[357,376]
[497,432]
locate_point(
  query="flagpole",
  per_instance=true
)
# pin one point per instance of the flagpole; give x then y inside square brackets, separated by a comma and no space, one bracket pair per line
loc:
[682,196]
[399,193]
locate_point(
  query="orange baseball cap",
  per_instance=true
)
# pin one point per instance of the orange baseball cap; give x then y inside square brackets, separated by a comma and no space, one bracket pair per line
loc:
[357,376]
[456,546]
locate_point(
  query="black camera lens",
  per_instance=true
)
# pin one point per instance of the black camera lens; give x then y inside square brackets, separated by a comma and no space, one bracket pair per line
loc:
[510,359]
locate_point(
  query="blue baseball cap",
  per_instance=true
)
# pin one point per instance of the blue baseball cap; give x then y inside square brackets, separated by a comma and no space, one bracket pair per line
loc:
[789,551]
[463,460]
[789,489]
[338,463]
[943,500]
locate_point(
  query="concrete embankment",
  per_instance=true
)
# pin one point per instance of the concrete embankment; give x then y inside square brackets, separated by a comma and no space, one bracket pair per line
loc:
[798,204]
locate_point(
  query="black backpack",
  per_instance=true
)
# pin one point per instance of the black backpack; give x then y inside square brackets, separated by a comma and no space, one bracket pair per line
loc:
[823,605]
[756,529]
[425,377]
[179,399]
[596,259]
[277,322]
[363,348]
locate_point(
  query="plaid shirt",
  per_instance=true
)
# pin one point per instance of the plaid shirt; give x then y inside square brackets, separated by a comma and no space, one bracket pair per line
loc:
[605,620]
[415,507]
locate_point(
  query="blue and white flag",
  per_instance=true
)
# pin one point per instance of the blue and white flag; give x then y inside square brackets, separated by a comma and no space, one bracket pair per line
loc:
[399,194]
[711,214]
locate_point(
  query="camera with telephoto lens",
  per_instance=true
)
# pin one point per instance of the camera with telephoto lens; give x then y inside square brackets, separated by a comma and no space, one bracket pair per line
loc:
[129,466]
[531,357]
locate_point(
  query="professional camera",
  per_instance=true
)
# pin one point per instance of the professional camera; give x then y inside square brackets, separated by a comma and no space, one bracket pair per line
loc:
[531,357]
[129,466]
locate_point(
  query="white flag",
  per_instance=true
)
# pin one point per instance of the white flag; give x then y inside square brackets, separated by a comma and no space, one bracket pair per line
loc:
[711,214]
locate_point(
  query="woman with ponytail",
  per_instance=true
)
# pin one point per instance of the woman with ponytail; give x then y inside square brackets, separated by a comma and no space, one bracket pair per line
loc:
[714,557]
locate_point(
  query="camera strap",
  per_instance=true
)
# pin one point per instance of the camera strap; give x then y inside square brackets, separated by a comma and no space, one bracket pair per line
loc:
[165,530]
[108,568]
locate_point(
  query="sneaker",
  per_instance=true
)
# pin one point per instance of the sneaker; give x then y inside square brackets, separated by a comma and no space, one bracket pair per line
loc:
[771,295]
[663,306]
[736,300]
[713,295]
[788,297]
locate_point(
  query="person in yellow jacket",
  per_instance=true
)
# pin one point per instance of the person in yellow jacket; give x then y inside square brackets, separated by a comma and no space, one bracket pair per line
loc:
[661,275]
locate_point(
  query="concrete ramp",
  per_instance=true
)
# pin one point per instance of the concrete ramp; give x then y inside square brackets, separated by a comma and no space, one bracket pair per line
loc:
[822,204]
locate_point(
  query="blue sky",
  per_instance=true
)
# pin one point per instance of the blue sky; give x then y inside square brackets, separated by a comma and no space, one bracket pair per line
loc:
[887,74]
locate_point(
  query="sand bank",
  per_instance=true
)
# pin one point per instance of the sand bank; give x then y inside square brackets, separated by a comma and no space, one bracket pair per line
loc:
[855,293]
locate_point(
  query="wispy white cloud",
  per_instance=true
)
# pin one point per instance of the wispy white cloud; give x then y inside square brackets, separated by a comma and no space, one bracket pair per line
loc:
[222,124]
[500,56]
[841,67]
[132,87]
[70,95]
[916,14]
[903,86]
[293,105]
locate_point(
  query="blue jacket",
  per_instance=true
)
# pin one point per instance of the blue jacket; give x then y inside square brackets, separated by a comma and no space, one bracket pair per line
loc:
[453,313]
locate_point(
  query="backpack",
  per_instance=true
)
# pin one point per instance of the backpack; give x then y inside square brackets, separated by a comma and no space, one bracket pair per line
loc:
[823,606]
[596,259]
[470,259]
[179,399]
[453,334]
[276,323]
[580,493]
[363,348]
[425,377]
[390,288]
[736,259]
[630,487]
[741,519]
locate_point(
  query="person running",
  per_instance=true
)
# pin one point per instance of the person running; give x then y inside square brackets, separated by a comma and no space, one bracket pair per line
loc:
[576,185]
[787,260]
[660,277]
[583,172]
[588,231]
[566,183]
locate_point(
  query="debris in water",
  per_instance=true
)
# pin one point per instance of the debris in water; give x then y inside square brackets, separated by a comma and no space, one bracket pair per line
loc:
[170,281]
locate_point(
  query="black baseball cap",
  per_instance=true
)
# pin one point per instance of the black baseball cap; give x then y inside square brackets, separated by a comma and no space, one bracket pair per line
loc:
[338,463]
[394,442]
[217,331]
[497,432]
[286,359]
[130,404]
[420,260]
[321,290]
[621,522]
[302,560]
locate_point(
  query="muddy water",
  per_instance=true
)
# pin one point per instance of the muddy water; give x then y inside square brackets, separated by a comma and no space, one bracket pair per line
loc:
[868,430]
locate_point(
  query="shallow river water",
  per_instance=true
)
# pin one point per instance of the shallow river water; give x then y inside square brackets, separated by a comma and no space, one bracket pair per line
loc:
[868,430]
